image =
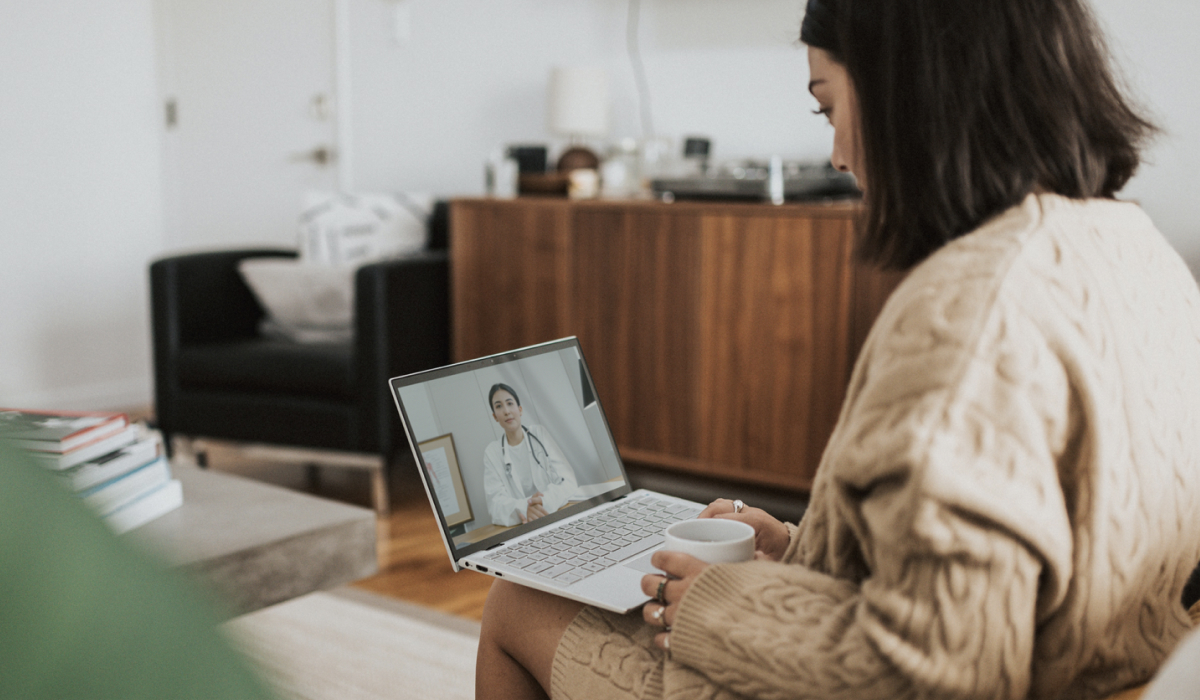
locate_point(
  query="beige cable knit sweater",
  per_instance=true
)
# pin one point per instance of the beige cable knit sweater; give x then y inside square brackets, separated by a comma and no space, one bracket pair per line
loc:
[1008,507]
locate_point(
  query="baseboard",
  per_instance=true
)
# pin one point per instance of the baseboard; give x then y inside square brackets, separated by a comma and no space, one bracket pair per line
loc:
[116,395]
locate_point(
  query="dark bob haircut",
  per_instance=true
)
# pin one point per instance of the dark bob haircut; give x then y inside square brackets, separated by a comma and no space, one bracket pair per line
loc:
[502,387]
[967,106]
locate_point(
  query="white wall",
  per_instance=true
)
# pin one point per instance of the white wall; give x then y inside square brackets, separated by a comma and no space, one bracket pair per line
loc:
[472,77]
[1155,45]
[80,203]
[80,193]
[426,113]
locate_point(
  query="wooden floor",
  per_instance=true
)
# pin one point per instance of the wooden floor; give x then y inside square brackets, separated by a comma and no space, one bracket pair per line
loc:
[413,563]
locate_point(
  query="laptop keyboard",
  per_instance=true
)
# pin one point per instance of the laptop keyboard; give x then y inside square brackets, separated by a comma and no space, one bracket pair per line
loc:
[596,542]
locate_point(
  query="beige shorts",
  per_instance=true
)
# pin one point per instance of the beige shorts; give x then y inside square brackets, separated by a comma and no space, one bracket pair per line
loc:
[605,655]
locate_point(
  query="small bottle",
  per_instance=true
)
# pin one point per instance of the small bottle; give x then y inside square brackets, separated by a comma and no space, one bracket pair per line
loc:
[501,175]
[775,181]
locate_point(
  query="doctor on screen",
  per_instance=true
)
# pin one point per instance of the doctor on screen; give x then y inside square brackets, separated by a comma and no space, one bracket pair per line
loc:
[524,473]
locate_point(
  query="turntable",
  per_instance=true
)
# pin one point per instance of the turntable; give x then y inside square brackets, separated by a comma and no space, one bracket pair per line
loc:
[773,181]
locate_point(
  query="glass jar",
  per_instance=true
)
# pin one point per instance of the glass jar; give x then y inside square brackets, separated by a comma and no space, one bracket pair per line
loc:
[621,172]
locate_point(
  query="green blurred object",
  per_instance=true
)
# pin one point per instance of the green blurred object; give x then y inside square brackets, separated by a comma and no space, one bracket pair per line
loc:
[85,615]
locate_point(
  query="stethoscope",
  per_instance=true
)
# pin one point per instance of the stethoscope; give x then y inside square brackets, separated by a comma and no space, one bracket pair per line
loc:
[552,476]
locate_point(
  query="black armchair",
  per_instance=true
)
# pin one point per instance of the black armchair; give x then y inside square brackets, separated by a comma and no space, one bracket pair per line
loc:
[217,377]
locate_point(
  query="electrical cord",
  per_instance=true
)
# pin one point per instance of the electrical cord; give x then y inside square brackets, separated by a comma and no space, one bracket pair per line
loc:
[639,69]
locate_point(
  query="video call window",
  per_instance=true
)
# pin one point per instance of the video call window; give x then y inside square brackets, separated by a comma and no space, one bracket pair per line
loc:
[496,438]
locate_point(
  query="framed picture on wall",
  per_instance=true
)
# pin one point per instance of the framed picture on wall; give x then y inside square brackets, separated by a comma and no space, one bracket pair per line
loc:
[445,479]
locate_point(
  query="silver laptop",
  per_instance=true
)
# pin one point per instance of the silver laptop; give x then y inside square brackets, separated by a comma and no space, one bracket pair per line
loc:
[523,474]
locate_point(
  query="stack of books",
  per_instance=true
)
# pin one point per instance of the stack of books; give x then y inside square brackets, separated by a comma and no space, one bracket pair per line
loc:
[118,469]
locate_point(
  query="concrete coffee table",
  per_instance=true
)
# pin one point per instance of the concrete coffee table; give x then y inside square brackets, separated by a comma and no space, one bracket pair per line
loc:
[256,544]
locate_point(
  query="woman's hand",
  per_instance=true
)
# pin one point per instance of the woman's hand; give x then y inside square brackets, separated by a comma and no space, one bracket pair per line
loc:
[534,509]
[770,536]
[682,570]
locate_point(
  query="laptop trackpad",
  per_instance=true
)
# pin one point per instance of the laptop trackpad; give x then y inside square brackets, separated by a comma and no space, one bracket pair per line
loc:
[642,563]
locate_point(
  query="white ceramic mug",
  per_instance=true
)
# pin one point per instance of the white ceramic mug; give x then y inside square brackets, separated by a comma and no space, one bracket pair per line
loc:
[713,540]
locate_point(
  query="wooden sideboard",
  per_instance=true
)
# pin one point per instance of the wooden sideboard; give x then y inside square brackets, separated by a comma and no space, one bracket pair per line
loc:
[720,335]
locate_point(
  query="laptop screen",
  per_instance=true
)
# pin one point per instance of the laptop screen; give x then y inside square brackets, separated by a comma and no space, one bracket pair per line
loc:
[509,443]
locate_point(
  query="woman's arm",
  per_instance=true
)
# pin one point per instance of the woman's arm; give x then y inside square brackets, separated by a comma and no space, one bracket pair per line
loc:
[504,509]
[949,611]
[555,496]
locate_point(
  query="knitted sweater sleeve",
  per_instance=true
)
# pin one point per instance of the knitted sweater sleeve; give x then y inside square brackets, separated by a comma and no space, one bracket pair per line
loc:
[941,484]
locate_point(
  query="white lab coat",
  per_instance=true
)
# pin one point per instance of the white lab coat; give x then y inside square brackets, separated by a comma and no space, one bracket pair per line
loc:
[506,503]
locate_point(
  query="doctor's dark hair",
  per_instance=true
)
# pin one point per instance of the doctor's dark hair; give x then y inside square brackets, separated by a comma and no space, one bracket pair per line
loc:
[502,387]
[967,106]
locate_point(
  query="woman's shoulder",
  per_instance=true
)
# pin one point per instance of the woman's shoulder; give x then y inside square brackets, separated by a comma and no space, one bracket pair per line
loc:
[539,431]
[543,435]
[949,307]
[1049,269]
[948,294]
[985,256]
[1005,262]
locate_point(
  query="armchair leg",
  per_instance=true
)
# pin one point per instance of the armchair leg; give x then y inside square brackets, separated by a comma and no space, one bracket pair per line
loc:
[313,460]
[186,448]
[379,492]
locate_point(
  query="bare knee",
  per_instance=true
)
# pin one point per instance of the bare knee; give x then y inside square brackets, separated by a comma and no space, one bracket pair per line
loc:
[499,671]
[512,610]
[501,599]
[526,624]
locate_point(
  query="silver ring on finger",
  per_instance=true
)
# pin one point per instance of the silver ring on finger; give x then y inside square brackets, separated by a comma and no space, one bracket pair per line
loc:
[660,594]
[738,505]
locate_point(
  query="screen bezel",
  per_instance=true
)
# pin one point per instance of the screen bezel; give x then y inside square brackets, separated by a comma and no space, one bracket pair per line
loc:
[457,553]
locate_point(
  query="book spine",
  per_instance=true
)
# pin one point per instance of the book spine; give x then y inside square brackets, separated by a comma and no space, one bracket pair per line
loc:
[77,440]
[55,461]
[108,497]
[82,477]
[155,504]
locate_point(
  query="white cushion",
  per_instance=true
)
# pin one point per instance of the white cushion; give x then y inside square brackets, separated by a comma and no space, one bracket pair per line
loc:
[341,229]
[303,302]
[312,299]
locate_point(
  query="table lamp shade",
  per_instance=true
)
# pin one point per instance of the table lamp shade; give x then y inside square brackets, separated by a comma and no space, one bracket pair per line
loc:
[578,101]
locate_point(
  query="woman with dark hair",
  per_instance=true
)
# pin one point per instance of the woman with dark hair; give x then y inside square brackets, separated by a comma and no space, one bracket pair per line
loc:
[1007,506]
[525,474]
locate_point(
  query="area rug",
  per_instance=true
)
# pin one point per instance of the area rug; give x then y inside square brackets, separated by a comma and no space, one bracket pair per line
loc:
[350,644]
